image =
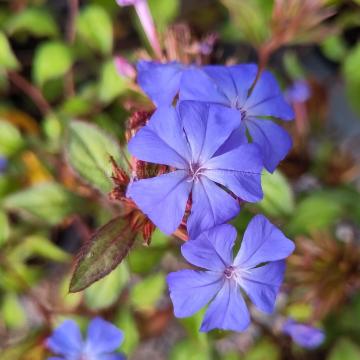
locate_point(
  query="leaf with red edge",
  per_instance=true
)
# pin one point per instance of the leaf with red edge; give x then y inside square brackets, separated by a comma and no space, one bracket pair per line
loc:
[108,246]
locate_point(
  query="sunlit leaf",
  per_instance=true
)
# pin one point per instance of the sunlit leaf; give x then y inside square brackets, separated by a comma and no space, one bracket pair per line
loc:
[127,323]
[10,139]
[12,311]
[88,151]
[111,84]
[4,227]
[317,211]
[189,350]
[49,202]
[106,291]
[95,28]
[8,60]
[34,21]
[105,250]
[278,196]
[145,294]
[52,60]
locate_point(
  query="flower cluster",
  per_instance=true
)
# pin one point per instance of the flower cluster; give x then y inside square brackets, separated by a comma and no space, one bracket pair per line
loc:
[212,133]
[211,138]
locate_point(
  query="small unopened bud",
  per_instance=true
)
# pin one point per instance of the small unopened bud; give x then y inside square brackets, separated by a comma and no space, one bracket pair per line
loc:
[124,68]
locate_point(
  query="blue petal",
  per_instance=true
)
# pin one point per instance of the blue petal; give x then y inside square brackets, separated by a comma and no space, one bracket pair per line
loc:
[66,340]
[54,358]
[102,337]
[207,127]
[262,242]
[243,76]
[163,198]
[211,206]
[266,99]
[239,170]
[197,85]
[272,139]
[212,249]
[191,290]
[160,82]
[304,335]
[113,357]
[262,284]
[237,138]
[227,311]
[162,141]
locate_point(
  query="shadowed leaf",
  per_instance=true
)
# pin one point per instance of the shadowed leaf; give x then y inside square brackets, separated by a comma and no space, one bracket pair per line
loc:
[105,250]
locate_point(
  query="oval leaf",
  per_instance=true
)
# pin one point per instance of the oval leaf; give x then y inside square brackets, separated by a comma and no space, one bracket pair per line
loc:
[95,28]
[52,60]
[34,21]
[8,60]
[49,202]
[88,152]
[105,250]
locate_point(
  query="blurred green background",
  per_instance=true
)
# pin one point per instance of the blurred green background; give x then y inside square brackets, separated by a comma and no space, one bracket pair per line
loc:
[56,67]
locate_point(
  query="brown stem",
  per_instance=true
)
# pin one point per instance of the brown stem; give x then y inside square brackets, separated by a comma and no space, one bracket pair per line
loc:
[70,37]
[30,90]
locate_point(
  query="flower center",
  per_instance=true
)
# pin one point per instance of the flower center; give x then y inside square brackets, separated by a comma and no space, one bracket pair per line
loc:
[236,105]
[195,171]
[229,272]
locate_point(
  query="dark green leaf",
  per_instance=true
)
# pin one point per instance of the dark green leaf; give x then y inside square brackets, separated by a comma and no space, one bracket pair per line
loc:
[105,250]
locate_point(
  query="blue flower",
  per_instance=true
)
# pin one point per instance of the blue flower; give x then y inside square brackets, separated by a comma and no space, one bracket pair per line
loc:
[102,340]
[227,277]
[191,141]
[3,164]
[304,335]
[230,87]
[161,82]
[298,92]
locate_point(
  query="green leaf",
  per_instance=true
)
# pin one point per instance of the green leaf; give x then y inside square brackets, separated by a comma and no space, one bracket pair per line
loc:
[317,211]
[4,228]
[127,324]
[88,151]
[105,250]
[164,12]
[111,84]
[251,20]
[35,21]
[8,60]
[10,139]
[95,28]
[52,60]
[334,48]
[189,350]
[145,294]
[12,311]
[351,72]
[43,247]
[49,202]
[278,196]
[106,291]
[344,349]
[263,350]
